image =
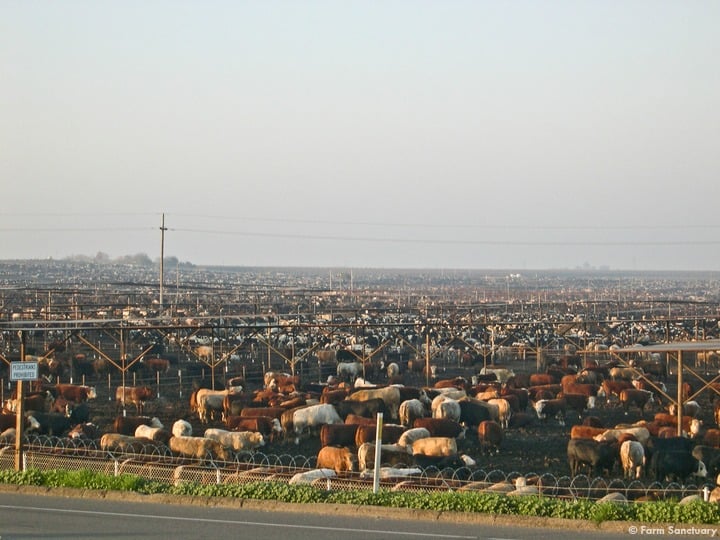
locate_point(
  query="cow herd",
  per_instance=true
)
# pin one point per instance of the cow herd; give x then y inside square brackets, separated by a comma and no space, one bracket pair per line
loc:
[454,422]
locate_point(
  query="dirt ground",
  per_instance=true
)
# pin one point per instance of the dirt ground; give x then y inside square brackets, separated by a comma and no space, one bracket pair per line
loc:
[536,448]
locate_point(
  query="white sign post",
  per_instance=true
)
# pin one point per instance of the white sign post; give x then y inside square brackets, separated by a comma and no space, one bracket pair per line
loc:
[20,372]
[23,371]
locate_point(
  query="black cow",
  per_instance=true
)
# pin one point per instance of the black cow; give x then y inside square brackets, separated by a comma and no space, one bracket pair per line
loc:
[710,456]
[472,413]
[667,444]
[675,465]
[368,408]
[598,456]
[52,423]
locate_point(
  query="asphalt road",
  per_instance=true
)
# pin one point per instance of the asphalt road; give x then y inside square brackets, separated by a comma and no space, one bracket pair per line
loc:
[26,516]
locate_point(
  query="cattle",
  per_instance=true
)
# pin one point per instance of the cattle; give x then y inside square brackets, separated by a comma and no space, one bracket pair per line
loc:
[502,374]
[488,394]
[349,371]
[7,436]
[656,387]
[576,402]
[389,394]
[78,412]
[585,432]
[504,411]
[155,365]
[670,444]
[161,435]
[625,373]
[8,421]
[473,411]
[238,441]
[409,410]
[711,437]
[134,395]
[592,391]
[53,424]
[308,477]
[441,427]
[362,420]
[368,408]
[675,465]
[284,383]
[37,401]
[710,456]
[200,448]
[444,407]
[435,447]
[457,382]
[210,404]
[393,370]
[641,434]
[312,418]
[411,435]
[632,458]
[272,412]
[634,397]
[125,444]
[592,421]
[85,431]
[490,436]
[338,434]
[390,454]
[551,408]
[233,403]
[126,425]
[599,457]
[613,388]
[690,408]
[665,419]
[75,393]
[333,396]
[181,428]
[536,393]
[390,434]
[338,459]
[542,379]
[269,427]
[521,420]
[521,395]
[413,392]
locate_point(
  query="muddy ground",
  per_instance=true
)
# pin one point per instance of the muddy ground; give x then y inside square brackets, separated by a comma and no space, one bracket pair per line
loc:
[537,448]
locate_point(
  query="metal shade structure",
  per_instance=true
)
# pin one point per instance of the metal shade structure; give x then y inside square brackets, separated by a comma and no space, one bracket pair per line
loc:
[675,350]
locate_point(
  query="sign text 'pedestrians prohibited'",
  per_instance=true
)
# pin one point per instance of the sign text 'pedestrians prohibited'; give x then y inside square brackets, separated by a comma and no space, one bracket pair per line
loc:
[23,371]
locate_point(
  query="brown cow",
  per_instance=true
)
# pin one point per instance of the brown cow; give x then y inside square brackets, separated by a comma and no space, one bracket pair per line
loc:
[638,398]
[441,427]
[126,425]
[338,434]
[135,395]
[490,436]
[267,426]
[338,459]
[272,412]
[586,432]
[390,433]
[75,392]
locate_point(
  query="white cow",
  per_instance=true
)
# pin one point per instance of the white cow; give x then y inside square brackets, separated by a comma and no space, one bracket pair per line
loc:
[632,457]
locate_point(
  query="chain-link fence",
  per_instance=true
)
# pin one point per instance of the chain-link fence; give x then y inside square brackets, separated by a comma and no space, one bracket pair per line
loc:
[156,462]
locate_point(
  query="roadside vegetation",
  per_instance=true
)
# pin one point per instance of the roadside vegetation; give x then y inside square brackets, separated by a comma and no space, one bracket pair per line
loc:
[696,512]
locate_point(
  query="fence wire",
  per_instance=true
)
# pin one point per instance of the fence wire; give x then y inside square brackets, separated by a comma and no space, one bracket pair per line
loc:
[156,462]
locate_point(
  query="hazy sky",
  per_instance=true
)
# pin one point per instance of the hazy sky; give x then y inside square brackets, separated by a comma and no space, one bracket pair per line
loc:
[444,134]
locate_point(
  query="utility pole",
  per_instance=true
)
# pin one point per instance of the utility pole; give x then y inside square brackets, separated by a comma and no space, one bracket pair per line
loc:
[162,260]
